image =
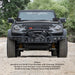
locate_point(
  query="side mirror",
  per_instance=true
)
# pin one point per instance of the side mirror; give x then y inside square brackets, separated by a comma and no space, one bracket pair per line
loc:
[10,20]
[18,19]
[63,20]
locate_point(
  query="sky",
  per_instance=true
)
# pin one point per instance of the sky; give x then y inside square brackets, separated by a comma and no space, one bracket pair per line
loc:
[31,0]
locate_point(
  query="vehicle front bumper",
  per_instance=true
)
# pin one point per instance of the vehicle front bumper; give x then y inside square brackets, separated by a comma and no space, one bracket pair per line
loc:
[27,39]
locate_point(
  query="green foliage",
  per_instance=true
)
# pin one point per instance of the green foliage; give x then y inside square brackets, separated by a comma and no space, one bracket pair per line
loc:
[57,6]
[71,21]
[10,9]
[71,16]
[3,28]
[61,11]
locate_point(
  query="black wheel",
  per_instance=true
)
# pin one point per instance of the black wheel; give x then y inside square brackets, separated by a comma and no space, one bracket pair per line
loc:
[54,53]
[11,52]
[62,50]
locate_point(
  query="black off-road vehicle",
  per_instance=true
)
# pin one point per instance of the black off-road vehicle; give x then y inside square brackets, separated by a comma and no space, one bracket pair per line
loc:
[37,30]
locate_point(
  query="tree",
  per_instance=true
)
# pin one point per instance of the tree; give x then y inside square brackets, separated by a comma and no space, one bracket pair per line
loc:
[60,9]
[10,9]
[71,16]
[71,21]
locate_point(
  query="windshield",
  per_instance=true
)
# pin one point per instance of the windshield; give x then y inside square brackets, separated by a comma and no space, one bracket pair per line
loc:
[36,15]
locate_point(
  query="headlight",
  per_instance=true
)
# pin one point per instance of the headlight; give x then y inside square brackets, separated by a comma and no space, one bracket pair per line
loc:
[58,27]
[55,28]
[18,28]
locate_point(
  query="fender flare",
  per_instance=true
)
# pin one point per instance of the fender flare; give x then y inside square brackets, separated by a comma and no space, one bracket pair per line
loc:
[64,32]
[9,33]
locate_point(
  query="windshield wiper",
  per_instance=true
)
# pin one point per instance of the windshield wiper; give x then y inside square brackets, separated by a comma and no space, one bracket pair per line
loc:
[42,20]
[34,20]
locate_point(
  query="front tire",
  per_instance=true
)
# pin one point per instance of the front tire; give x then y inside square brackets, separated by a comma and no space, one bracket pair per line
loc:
[62,50]
[11,51]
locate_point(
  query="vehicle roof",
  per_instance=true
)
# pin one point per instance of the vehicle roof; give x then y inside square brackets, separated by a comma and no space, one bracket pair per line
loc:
[36,10]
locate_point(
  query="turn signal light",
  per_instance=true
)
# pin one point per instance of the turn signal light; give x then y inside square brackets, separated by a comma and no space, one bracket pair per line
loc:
[30,27]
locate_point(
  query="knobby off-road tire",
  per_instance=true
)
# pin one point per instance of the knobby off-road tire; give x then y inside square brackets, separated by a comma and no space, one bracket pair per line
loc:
[62,50]
[11,52]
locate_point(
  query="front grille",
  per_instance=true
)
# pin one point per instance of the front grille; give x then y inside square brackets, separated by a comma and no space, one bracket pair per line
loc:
[38,27]
[45,27]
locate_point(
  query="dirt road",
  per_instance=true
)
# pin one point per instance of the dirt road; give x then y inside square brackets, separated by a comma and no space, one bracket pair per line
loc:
[18,66]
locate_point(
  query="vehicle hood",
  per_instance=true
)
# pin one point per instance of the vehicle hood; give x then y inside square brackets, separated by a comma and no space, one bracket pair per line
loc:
[52,22]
